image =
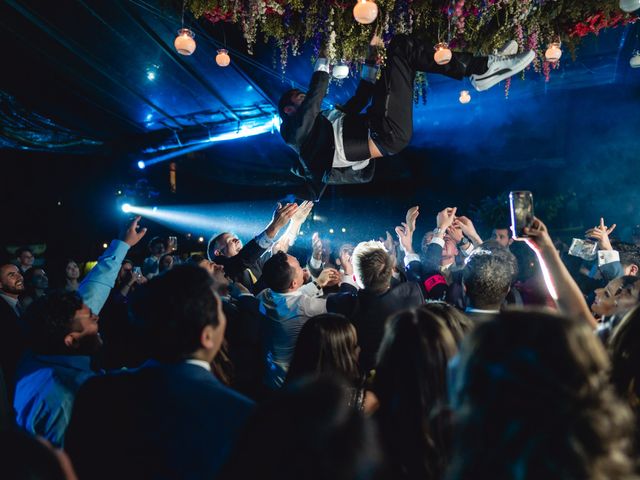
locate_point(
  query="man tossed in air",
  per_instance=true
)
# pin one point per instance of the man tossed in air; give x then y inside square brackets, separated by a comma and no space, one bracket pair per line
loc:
[338,146]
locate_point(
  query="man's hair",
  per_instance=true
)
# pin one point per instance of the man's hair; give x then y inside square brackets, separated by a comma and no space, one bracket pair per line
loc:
[155,241]
[629,253]
[277,273]
[372,266]
[49,320]
[215,244]
[285,101]
[488,275]
[172,309]
[21,250]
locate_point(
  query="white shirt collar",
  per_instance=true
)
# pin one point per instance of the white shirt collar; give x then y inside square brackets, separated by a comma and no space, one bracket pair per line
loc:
[200,363]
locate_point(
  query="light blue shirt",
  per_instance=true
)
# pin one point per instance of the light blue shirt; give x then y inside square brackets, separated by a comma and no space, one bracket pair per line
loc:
[97,285]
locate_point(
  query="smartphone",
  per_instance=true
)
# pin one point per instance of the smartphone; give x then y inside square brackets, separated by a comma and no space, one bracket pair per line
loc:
[585,249]
[521,206]
[137,271]
[172,244]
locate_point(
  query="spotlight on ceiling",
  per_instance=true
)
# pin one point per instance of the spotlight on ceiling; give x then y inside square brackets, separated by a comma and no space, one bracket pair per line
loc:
[126,208]
[141,165]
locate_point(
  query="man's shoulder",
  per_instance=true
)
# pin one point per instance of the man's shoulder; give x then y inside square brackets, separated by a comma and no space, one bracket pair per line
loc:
[410,289]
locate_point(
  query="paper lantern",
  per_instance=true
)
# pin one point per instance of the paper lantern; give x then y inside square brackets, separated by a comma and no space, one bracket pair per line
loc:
[365,11]
[184,42]
[222,58]
[553,53]
[340,71]
[443,54]
[634,61]
[629,5]
[465,97]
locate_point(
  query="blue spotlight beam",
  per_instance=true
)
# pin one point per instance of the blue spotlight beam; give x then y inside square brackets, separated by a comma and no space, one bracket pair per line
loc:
[270,126]
[244,219]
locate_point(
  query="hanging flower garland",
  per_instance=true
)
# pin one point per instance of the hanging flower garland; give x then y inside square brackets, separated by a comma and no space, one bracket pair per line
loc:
[479,26]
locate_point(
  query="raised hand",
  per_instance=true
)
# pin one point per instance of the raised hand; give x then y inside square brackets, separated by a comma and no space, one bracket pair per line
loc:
[304,209]
[281,217]
[405,237]
[538,236]
[412,215]
[468,229]
[133,233]
[445,217]
[601,234]
[328,278]
[316,245]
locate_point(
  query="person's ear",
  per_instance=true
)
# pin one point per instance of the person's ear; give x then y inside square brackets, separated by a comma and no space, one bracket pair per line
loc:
[71,340]
[289,109]
[207,337]
[217,252]
[633,270]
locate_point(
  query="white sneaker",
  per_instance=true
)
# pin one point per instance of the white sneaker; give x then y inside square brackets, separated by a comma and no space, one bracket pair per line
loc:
[501,67]
[509,48]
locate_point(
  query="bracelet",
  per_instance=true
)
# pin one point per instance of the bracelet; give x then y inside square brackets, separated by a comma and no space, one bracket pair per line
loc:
[317,286]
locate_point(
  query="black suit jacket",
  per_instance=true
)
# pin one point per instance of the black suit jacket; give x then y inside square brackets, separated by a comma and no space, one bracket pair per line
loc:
[248,258]
[12,345]
[369,312]
[311,135]
[159,422]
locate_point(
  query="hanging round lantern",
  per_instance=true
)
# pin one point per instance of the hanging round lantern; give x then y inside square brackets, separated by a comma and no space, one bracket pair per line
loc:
[365,11]
[443,53]
[553,53]
[222,58]
[629,5]
[184,42]
[634,61]
[340,71]
[465,97]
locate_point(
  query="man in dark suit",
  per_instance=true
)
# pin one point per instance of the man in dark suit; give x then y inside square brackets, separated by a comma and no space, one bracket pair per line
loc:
[171,418]
[242,263]
[370,307]
[12,342]
[339,146]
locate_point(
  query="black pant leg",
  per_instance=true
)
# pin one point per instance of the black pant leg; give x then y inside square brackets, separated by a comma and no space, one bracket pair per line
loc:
[391,112]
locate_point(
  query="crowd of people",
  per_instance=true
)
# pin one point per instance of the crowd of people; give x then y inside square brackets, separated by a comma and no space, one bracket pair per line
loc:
[450,357]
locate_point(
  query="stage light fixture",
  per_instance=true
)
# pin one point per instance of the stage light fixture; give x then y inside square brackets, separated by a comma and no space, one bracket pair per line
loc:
[465,97]
[201,239]
[126,207]
[104,245]
[344,230]
[141,165]
[331,230]
[340,70]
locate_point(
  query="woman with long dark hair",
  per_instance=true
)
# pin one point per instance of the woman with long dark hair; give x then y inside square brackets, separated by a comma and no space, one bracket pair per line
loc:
[411,386]
[328,345]
[535,402]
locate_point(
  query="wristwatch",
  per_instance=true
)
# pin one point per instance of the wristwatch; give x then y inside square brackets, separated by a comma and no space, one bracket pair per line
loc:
[464,242]
[437,231]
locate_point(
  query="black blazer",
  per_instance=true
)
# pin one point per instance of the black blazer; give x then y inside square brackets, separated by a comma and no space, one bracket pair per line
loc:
[369,312]
[311,135]
[247,258]
[159,422]
[12,345]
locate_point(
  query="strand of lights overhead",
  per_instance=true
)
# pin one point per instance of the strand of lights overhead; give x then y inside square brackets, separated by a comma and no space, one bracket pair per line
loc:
[270,126]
